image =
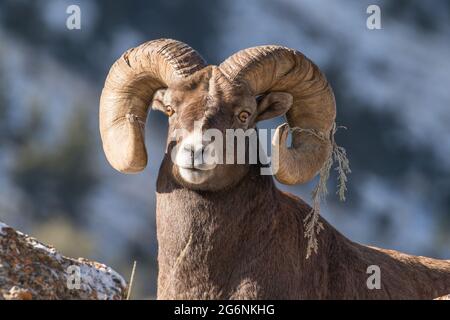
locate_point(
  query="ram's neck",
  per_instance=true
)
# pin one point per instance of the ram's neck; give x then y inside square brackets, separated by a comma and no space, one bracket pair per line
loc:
[201,234]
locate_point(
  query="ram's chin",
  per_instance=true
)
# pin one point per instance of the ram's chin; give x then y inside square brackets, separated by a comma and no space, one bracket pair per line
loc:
[194,176]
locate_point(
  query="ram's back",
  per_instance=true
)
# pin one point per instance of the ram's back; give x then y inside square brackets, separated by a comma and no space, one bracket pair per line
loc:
[343,269]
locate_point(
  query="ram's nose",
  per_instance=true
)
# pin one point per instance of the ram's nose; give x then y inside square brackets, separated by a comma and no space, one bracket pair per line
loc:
[195,152]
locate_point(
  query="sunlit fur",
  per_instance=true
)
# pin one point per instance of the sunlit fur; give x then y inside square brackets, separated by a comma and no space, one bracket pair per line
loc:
[229,233]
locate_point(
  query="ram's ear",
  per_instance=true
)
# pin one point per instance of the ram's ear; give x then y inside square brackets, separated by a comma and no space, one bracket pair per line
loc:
[273,104]
[158,100]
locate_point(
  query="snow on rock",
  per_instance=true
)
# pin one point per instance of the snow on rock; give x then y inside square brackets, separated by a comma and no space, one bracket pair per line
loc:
[2,226]
[30,269]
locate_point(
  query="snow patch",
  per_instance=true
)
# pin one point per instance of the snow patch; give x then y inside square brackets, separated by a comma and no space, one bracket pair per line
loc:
[3,226]
[100,279]
[51,251]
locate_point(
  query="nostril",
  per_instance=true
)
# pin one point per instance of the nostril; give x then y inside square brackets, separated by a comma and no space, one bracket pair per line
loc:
[199,150]
[193,153]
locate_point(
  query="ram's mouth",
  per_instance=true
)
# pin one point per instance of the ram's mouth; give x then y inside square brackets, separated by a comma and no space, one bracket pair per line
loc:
[197,167]
[193,169]
[195,175]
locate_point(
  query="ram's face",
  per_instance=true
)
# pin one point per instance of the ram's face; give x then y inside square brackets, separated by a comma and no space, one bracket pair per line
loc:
[202,111]
[253,84]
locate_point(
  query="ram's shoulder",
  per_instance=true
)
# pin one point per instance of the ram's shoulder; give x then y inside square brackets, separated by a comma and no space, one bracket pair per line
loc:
[289,201]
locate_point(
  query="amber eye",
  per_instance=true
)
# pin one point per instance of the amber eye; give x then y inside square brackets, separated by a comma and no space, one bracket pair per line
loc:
[243,116]
[169,111]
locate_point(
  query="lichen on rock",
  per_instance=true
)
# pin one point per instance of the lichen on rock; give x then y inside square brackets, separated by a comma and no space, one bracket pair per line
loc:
[30,270]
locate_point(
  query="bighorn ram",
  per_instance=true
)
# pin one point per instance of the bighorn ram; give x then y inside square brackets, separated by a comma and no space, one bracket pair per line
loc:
[225,231]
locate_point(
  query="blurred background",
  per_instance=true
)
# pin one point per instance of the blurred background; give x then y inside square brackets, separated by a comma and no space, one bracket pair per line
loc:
[392,88]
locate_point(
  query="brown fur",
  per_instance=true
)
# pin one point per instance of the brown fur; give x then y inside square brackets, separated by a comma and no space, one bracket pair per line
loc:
[247,243]
[239,237]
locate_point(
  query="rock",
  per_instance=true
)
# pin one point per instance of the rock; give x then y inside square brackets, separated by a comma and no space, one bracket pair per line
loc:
[17,293]
[31,270]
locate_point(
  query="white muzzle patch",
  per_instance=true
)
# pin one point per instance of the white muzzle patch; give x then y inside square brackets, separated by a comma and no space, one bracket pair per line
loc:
[194,158]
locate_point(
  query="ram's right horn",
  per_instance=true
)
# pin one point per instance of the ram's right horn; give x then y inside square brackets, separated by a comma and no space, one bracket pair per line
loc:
[128,91]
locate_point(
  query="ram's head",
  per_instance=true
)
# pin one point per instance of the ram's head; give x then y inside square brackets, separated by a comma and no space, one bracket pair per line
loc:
[252,85]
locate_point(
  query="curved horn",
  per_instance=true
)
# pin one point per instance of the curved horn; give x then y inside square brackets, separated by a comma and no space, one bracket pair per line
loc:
[274,68]
[127,93]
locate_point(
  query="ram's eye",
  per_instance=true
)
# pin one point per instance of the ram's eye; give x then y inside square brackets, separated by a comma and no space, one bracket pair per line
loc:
[169,111]
[243,116]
